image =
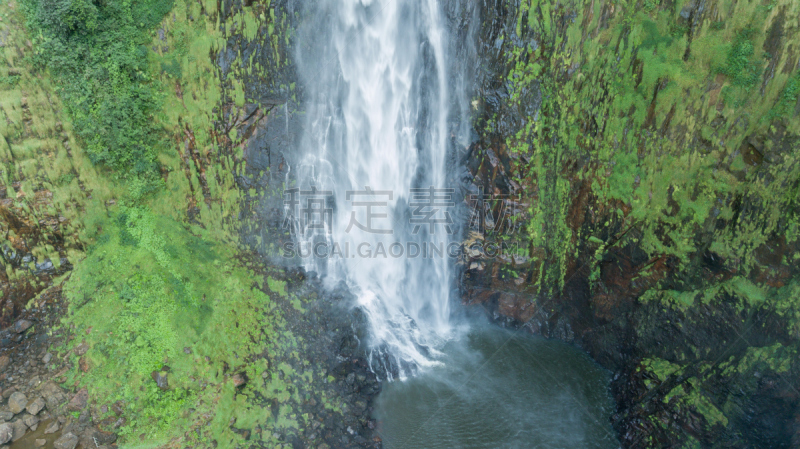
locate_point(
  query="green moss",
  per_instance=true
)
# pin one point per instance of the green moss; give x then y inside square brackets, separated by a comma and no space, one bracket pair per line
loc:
[775,358]
[690,396]
[660,368]
[171,298]
[650,114]
[276,286]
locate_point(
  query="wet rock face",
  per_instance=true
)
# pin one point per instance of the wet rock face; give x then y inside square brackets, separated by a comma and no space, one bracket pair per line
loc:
[699,341]
[334,332]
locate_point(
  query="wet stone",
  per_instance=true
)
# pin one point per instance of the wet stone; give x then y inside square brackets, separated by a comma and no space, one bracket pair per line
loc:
[67,441]
[19,429]
[51,428]
[31,421]
[17,402]
[36,406]
[6,432]
[21,326]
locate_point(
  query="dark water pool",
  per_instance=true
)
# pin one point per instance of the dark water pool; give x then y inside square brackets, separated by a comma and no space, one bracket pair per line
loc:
[499,389]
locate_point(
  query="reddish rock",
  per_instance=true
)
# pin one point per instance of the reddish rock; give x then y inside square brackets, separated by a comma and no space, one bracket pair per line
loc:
[239,379]
[507,305]
[78,402]
[83,364]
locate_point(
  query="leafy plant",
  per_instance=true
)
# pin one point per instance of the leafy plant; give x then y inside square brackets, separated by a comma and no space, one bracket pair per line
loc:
[96,49]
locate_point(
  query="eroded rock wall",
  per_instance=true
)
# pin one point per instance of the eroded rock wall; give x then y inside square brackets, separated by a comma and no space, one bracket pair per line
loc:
[652,151]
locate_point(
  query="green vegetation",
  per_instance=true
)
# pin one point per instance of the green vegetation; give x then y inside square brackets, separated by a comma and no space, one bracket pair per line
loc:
[153,294]
[97,51]
[662,168]
[740,66]
[107,177]
[655,121]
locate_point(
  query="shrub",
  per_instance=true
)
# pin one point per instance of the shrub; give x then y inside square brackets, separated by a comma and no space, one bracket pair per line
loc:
[96,50]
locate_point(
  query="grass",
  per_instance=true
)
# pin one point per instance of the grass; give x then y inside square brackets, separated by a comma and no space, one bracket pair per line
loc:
[153,293]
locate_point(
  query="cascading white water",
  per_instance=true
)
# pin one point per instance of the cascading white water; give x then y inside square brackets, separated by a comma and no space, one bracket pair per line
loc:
[377,119]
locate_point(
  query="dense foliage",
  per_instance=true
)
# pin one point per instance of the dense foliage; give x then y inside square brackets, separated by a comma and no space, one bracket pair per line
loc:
[96,50]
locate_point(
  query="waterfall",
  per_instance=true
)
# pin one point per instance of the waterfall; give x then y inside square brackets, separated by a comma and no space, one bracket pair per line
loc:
[374,146]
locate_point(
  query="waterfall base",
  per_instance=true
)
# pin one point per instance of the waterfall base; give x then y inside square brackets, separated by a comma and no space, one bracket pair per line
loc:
[498,389]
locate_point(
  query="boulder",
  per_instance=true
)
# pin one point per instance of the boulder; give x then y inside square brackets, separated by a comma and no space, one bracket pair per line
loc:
[67,441]
[6,432]
[17,402]
[51,428]
[104,438]
[36,406]
[21,326]
[31,421]
[53,395]
[78,402]
[161,379]
[19,429]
